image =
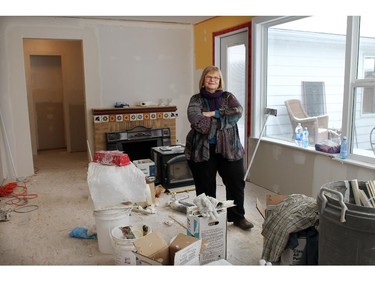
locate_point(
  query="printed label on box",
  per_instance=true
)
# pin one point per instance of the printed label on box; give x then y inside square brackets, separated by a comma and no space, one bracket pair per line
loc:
[147,166]
[213,232]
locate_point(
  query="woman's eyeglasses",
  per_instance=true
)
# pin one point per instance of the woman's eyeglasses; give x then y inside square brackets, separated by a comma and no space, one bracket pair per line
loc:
[214,78]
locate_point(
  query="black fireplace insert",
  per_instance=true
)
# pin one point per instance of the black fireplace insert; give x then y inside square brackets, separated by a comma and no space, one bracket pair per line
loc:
[138,141]
[172,169]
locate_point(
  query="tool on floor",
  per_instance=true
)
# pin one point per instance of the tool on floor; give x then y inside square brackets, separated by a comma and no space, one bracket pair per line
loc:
[178,204]
[267,112]
[178,190]
[184,226]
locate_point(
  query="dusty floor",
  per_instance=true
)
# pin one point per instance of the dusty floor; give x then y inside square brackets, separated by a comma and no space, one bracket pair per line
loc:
[60,201]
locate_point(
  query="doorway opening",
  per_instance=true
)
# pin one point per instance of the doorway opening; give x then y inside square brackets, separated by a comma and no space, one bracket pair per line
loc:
[56,94]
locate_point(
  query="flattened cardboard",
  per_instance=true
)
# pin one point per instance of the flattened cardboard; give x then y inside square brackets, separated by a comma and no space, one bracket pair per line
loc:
[151,198]
[272,200]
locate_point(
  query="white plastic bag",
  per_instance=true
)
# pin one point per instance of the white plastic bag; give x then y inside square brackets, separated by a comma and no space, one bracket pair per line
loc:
[112,185]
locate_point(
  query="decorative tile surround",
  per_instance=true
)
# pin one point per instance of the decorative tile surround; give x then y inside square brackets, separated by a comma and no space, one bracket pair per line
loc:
[110,120]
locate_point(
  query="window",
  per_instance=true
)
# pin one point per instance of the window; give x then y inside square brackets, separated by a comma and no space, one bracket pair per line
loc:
[363,87]
[313,62]
[368,102]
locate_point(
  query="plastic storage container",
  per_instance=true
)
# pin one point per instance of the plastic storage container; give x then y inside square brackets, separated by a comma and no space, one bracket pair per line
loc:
[346,231]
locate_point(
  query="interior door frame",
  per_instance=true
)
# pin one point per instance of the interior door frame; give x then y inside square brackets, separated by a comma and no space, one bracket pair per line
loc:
[216,61]
[58,51]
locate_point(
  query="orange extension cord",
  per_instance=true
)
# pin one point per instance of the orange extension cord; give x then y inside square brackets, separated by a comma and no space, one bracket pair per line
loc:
[7,189]
[21,198]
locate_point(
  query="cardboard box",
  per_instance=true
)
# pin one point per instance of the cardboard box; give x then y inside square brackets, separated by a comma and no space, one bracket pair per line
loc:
[153,250]
[214,233]
[271,202]
[219,262]
[299,253]
[297,256]
[147,166]
[112,158]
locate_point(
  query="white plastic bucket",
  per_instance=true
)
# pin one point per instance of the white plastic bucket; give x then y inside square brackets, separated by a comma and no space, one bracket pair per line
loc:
[105,220]
[123,247]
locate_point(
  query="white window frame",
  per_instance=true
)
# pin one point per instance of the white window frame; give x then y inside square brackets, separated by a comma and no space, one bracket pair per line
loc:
[260,27]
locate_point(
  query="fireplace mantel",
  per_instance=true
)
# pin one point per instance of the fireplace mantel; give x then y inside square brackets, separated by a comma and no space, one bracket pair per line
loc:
[135,109]
[108,120]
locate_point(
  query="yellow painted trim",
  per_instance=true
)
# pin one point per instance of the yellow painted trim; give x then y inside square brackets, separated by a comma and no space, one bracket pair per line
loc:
[203,42]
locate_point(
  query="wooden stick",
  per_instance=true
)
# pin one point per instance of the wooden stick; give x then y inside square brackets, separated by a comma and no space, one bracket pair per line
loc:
[356,192]
[364,199]
[371,194]
[177,222]
[372,189]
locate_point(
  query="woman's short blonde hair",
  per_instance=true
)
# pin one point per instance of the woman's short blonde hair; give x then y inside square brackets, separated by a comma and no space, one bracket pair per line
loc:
[208,69]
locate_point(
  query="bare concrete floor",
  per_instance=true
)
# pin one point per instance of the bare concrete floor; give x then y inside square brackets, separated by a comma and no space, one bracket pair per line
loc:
[40,235]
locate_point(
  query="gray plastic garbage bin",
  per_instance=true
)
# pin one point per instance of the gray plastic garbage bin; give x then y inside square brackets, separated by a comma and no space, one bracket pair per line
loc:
[346,231]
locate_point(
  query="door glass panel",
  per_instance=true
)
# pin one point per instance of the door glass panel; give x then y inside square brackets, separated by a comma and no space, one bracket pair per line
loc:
[236,80]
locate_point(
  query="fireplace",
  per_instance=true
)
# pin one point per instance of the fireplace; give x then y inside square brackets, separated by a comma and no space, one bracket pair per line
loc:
[138,141]
[121,120]
[137,131]
[171,168]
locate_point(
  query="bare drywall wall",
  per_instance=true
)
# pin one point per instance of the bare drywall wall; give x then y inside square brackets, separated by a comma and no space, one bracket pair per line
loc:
[123,61]
[290,170]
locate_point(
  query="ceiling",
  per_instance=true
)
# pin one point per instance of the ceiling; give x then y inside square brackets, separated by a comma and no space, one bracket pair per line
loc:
[165,19]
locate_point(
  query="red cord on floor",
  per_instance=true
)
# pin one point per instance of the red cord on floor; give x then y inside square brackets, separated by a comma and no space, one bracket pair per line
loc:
[19,197]
[7,189]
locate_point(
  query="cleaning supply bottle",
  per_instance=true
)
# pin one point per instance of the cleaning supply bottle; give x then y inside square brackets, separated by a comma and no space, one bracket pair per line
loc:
[298,135]
[344,148]
[305,138]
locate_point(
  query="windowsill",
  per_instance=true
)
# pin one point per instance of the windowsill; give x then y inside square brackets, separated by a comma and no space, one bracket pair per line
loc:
[355,163]
[311,149]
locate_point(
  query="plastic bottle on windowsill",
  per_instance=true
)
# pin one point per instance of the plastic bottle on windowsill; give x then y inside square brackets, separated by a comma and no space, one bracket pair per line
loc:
[344,148]
[305,138]
[298,134]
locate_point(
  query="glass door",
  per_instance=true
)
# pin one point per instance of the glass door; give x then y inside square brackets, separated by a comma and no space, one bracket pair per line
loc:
[234,65]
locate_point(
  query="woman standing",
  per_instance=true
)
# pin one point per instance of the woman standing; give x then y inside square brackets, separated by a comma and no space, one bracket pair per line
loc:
[213,143]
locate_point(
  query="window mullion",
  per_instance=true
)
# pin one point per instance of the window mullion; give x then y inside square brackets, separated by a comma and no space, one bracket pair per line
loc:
[351,62]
